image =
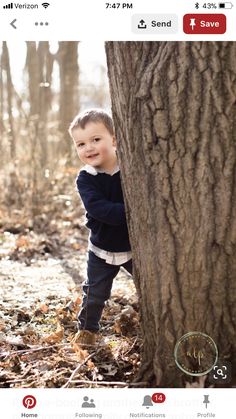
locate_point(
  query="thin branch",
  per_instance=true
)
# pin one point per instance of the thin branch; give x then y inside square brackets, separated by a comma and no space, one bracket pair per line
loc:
[130,349]
[111,383]
[78,368]
[26,351]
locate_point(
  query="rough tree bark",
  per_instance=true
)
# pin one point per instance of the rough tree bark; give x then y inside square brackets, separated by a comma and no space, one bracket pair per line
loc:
[174,111]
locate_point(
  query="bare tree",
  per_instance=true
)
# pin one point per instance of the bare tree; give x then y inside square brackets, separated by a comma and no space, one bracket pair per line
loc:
[1,103]
[69,79]
[9,89]
[39,66]
[32,68]
[174,110]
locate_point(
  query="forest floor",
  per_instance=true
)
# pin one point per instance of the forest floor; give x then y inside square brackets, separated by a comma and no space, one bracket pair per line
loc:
[40,283]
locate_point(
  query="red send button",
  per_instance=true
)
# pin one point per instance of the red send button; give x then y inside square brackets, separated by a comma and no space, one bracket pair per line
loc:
[204,23]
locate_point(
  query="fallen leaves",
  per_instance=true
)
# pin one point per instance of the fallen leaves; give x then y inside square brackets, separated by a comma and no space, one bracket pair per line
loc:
[55,337]
[22,241]
[127,322]
[38,323]
[44,308]
[42,265]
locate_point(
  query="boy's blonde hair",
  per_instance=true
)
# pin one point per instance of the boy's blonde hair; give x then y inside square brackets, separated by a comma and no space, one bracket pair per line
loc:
[92,115]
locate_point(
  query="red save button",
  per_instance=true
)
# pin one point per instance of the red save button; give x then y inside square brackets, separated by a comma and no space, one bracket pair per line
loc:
[204,23]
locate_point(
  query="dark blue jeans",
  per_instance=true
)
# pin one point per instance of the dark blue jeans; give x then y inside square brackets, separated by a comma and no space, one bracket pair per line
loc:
[97,289]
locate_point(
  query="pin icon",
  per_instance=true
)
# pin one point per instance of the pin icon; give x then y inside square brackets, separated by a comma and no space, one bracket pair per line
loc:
[206,400]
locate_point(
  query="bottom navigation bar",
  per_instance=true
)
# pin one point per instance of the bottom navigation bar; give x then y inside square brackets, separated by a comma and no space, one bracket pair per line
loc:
[114,403]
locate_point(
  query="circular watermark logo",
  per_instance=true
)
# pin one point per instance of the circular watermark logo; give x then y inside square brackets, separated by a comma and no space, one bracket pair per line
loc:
[29,402]
[196,353]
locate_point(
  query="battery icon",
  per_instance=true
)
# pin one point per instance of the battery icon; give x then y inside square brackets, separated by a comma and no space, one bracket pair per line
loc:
[227,5]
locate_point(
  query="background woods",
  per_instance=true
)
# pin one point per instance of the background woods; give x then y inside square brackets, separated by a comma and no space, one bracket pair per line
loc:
[38,100]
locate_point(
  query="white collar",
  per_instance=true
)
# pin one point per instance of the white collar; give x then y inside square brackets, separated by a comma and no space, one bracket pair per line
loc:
[92,171]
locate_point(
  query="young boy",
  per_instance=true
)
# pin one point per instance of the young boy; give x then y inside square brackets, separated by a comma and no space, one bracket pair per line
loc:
[99,187]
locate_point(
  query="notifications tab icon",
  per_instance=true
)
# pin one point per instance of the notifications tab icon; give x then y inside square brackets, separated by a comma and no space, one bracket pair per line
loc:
[208,24]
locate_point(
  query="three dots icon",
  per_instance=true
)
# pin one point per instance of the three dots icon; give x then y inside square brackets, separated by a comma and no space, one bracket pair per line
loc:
[41,23]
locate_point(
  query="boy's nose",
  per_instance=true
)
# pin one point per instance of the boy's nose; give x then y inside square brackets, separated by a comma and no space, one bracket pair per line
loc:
[89,148]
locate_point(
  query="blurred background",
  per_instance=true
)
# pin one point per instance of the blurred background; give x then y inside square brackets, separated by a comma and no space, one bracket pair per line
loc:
[43,85]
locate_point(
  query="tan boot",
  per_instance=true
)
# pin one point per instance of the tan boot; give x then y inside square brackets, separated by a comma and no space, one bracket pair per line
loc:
[85,338]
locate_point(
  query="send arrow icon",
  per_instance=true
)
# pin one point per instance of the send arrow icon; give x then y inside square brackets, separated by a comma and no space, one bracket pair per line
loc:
[142,24]
[12,24]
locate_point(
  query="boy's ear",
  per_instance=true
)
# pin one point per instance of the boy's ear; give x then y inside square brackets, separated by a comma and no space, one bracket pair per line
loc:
[114,141]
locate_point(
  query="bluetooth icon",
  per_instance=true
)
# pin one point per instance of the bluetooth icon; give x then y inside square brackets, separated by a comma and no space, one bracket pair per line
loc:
[196,5]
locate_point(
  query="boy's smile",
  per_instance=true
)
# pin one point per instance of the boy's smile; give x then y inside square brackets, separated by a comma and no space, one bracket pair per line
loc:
[96,146]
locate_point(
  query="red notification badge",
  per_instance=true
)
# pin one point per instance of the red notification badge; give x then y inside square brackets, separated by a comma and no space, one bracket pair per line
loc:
[158,397]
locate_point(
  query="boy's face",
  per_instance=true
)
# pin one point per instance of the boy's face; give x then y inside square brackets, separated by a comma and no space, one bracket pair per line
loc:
[95,145]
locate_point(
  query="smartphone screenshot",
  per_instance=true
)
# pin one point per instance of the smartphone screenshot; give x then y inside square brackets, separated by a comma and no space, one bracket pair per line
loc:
[117,209]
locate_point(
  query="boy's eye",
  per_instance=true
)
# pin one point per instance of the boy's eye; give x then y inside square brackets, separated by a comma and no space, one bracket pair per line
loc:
[80,145]
[96,139]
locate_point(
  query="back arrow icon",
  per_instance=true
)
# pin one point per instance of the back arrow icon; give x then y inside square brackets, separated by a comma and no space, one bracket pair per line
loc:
[12,24]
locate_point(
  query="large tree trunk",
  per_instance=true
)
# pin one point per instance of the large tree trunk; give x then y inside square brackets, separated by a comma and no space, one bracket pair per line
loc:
[174,110]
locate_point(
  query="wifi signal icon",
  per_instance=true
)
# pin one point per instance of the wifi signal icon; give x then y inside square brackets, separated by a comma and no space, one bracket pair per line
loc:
[45,5]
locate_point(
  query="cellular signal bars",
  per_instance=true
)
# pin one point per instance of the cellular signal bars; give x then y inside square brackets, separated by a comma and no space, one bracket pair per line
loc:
[8,6]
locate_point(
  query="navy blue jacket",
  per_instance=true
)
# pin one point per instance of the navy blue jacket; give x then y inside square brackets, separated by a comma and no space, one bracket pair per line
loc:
[103,200]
